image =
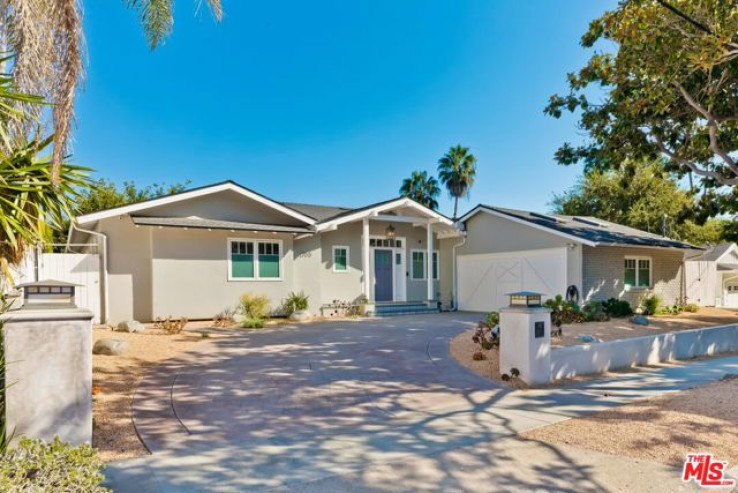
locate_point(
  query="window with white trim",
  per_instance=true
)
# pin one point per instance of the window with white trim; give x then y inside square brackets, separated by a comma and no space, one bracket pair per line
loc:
[637,272]
[418,265]
[340,258]
[254,259]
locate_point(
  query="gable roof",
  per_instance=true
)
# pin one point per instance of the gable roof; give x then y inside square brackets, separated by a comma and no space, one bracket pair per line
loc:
[193,193]
[715,253]
[201,223]
[584,229]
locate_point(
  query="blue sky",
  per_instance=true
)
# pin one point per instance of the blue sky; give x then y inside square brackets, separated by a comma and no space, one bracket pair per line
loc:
[334,101]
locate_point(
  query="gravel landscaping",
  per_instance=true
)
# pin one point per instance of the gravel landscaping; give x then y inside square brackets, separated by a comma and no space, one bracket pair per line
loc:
[623,328]
[664,429]
[115,379]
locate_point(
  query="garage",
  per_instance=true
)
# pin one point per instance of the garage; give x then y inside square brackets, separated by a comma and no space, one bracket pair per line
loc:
[485,279]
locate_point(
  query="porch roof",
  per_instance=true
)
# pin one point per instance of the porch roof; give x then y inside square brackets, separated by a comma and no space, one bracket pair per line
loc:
[201,223]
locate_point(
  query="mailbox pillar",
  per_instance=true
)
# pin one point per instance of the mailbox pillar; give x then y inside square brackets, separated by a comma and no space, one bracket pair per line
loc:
[525,338]
[48,370]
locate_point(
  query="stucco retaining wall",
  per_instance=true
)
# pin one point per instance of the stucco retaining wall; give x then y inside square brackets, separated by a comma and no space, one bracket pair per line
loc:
[567,362]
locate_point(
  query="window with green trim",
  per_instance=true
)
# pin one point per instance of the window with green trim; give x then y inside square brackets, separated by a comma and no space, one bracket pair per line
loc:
[340,258]
[269,260]
[637,272]
[418,264]
[242,260]
[435,266]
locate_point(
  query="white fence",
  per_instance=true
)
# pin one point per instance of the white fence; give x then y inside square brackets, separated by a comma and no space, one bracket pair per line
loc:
[570,361]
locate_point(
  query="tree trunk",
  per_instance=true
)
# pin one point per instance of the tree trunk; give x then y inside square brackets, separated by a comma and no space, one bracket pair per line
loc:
[456,207]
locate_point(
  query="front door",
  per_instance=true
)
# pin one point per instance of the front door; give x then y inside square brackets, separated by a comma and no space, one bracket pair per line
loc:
[383,267]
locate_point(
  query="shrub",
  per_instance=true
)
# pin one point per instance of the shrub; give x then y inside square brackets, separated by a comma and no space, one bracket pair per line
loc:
[170,326]
[492,320]
[564,312]
[254,305]
[651,304]
[253,323]
[224,318]
[691,308]
[478,356]
[594,311]
[296,302]
[617,308]
[36,466]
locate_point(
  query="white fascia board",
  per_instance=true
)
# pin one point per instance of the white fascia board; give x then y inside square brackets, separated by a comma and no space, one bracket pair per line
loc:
[529,224]
[375,213]
[170,199]
[732,248]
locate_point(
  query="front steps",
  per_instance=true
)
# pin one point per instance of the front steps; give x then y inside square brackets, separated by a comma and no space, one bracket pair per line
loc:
[402,308]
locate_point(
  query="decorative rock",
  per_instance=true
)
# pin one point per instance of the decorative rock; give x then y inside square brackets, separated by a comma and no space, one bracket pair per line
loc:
[640,320]
[588,338]
[132,326]
[300,316]
[110,347]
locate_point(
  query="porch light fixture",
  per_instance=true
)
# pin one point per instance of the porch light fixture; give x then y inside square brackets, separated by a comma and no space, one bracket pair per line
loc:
[525,298]
[390,232]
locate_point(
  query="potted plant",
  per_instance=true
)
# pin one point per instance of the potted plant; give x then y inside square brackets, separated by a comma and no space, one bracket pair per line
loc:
[296,306]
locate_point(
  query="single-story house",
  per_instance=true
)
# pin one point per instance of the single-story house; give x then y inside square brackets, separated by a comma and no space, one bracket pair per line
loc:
[508,250]
[194,253]
[712,276]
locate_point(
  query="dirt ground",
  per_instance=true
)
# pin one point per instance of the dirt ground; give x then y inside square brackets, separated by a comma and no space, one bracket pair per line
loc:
[115,378]
[622,328]
[664,429]
[462,349]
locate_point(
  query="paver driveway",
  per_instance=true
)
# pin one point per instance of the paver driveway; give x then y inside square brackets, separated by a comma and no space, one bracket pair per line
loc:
[355,405]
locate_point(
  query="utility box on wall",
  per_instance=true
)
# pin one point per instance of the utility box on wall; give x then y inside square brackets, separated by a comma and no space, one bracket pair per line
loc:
[525,338]
[48,370]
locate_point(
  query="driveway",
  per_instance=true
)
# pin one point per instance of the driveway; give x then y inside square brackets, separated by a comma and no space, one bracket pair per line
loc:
[366,405]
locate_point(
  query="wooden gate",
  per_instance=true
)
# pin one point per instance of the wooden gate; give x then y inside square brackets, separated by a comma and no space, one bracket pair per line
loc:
[79,268]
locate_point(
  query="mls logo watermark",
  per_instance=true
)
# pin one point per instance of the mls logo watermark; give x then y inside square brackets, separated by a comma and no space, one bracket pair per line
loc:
[706,471]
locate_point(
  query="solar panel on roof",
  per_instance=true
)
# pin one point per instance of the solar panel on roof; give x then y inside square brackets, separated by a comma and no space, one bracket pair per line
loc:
[545,217]
[591,222]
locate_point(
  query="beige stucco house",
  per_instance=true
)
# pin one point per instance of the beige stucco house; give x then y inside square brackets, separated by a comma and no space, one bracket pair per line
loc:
[195,253]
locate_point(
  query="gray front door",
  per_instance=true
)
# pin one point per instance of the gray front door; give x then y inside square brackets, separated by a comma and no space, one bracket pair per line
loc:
[383,275]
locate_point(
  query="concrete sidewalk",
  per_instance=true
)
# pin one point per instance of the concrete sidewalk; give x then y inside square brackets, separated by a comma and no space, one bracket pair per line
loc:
[376,410]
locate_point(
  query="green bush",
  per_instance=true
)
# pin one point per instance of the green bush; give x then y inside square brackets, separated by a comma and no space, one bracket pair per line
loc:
[617,308]
[595,312]
[253,323]
[691,307]
[254,305]
[564,312]
[492,320]
[56,467]
[651,304]
[296,302]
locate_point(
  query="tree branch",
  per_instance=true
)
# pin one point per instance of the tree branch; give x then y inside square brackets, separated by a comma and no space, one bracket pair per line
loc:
[705,173]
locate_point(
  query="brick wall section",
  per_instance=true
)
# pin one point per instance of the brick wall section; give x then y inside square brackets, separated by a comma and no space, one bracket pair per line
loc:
[603,274]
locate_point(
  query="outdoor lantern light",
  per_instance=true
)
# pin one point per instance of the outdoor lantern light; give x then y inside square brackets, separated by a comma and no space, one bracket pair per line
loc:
[390,231]
[525,298]
[48,294]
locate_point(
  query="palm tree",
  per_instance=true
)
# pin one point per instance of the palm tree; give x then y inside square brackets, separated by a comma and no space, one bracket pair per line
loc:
[456,170]
[46,37]
[421,188]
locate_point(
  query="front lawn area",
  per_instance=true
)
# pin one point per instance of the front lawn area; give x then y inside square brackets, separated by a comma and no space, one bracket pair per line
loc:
[663,429]
[623,328]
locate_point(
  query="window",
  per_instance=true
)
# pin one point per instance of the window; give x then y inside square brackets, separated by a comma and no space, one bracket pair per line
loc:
[340,258]
[419,267]
[418,264]
[637,272]
[385,243]
[254,259]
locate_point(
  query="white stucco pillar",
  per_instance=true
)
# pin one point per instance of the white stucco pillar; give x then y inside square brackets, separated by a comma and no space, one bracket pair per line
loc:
[365,255]
[429,260]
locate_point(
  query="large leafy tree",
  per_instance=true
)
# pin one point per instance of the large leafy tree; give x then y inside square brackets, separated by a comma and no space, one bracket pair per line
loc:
[669,88]
[642,196]
[421,188]
[47,38]
[457,170]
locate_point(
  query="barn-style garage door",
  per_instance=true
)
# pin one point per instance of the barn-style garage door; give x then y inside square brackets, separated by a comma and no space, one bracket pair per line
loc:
[484,279]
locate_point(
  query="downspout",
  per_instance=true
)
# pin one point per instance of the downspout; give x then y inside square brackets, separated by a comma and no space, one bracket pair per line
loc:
[104,247]
[455,300]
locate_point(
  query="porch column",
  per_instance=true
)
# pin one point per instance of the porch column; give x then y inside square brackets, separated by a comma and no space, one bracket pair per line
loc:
[429,260]
[365,255]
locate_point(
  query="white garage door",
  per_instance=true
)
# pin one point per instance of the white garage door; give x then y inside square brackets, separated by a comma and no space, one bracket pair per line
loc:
[485,279]
[731,294]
